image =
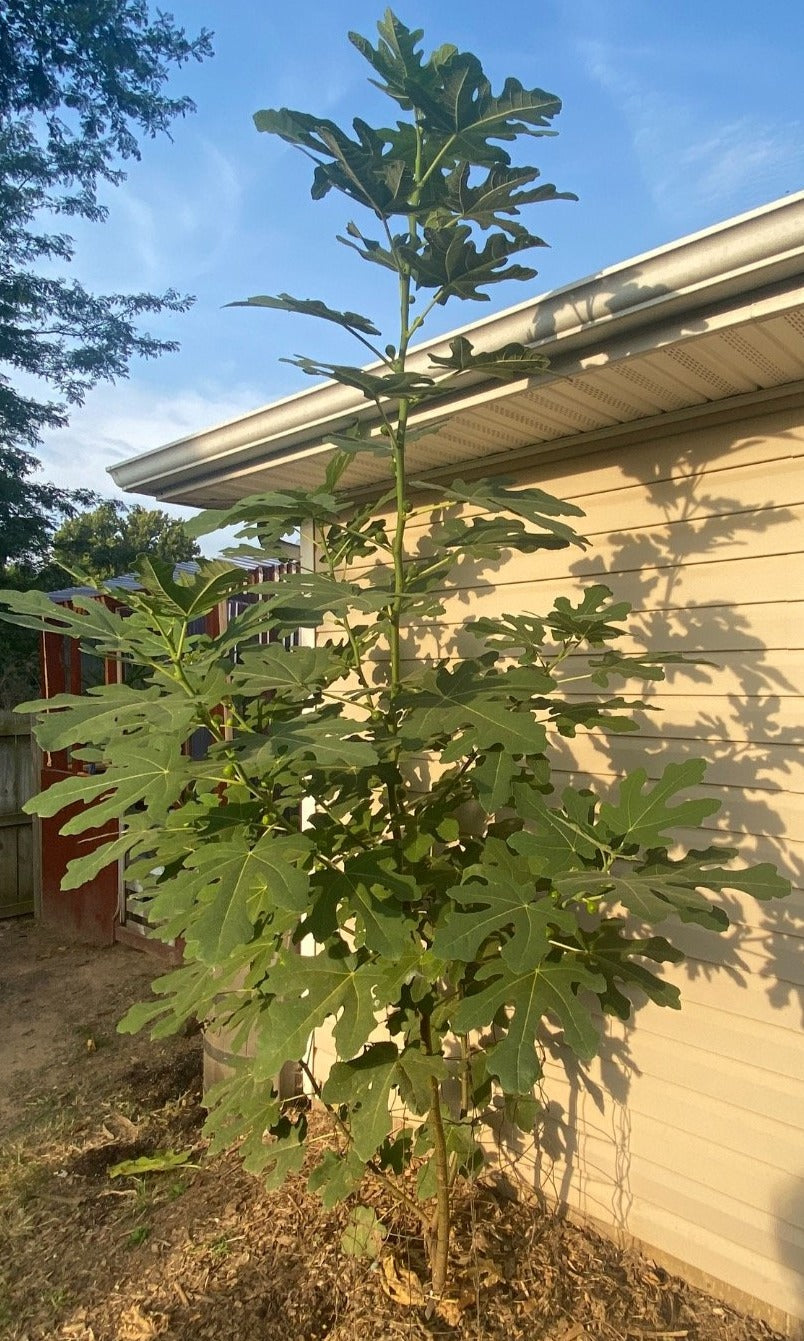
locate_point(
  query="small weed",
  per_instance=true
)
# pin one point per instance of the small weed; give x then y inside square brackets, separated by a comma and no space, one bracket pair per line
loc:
[58,1299]
[7,1311]
[220,1247]
[138,1236]
[22,1179]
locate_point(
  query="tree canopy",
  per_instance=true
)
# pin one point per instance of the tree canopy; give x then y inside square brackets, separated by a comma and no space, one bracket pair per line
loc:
[108,540]
[78,84]
[102,542]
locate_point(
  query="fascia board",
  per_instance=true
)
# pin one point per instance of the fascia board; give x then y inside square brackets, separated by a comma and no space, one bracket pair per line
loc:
[731,260]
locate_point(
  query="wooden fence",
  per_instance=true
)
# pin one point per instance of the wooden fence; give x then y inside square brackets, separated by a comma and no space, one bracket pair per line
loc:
[17,784]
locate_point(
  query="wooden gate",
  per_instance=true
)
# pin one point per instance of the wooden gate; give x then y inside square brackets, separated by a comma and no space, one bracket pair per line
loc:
[16,829]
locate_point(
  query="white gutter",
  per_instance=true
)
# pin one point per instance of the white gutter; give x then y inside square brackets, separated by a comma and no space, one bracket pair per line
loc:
[730,260]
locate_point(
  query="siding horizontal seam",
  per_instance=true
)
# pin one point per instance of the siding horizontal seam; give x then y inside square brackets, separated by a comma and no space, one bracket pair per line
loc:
[644,1027]
[601,771]
[584,1131]
[660,524]
[794,1081]
[601,573]
[705,472]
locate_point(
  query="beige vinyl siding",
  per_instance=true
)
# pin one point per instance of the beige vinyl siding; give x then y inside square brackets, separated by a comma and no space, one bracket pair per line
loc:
[687,1132]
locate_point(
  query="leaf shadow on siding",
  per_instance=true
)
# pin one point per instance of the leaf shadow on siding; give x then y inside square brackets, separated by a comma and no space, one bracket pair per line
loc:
[740,715]
[743,718]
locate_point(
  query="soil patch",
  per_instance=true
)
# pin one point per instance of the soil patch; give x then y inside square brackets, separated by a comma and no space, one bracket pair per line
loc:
[201,1252]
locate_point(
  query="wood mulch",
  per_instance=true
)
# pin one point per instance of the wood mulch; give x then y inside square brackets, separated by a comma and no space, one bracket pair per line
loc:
[203,1253]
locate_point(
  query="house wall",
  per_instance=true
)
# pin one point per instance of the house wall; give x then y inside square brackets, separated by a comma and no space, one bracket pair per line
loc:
[687,1132]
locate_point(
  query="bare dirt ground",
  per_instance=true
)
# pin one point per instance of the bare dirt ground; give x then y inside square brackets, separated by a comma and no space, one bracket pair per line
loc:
[203,1252]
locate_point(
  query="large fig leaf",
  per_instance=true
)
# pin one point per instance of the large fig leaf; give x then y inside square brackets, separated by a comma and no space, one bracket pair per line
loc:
[499,900]
[151,771]
[643,814]
[451,263]
[296,673]
[108,711]
[509,363]
[617,956]
[235,884]
[473,706]
[652,895]
[550,989]
[311,307]
[307,991]
[532,505]
[365,1085]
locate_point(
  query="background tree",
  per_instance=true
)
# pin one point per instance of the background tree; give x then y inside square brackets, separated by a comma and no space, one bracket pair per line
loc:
[78,84]
[105,541]
[108,539]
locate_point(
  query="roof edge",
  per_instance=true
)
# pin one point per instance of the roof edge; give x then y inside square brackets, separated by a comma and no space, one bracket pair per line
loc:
[737,256]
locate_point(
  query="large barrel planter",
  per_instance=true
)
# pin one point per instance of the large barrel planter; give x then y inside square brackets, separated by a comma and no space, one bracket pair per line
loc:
[221,1060]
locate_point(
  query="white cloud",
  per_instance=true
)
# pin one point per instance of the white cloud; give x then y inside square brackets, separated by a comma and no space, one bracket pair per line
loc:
[124,420]
[740,155]
[692,161]
[171,222]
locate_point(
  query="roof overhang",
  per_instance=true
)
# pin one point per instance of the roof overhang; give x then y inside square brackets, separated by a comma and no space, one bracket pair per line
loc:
[715,319]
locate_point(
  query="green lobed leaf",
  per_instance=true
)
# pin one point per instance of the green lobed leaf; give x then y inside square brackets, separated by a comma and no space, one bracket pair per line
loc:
[311,307]
[532,505]
[493,200]
[462,1148]
[556,840]
[451,263]
[475,708]
[643,814]
[510,363]
[372,889]
[151,772]
[296,673]
[550,989]
[80,870]
[492,776]
[307,991]
[364,1086]
[108,711]
[187,596]
[336,1176]
[332,742]
[617,957]
[364,1234]
[415,1072]
[652,895]
[284,1153]
[499,901]
[234,883]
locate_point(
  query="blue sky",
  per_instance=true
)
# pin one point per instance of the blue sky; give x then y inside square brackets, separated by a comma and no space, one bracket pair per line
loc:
[676,115]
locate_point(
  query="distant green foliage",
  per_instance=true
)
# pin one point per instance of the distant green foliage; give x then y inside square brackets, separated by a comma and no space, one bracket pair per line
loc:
[373,842]
[107,540]
[101,542]
[79,83]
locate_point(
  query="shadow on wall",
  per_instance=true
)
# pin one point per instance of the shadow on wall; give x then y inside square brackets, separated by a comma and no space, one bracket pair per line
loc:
[704,577]
[740,715]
